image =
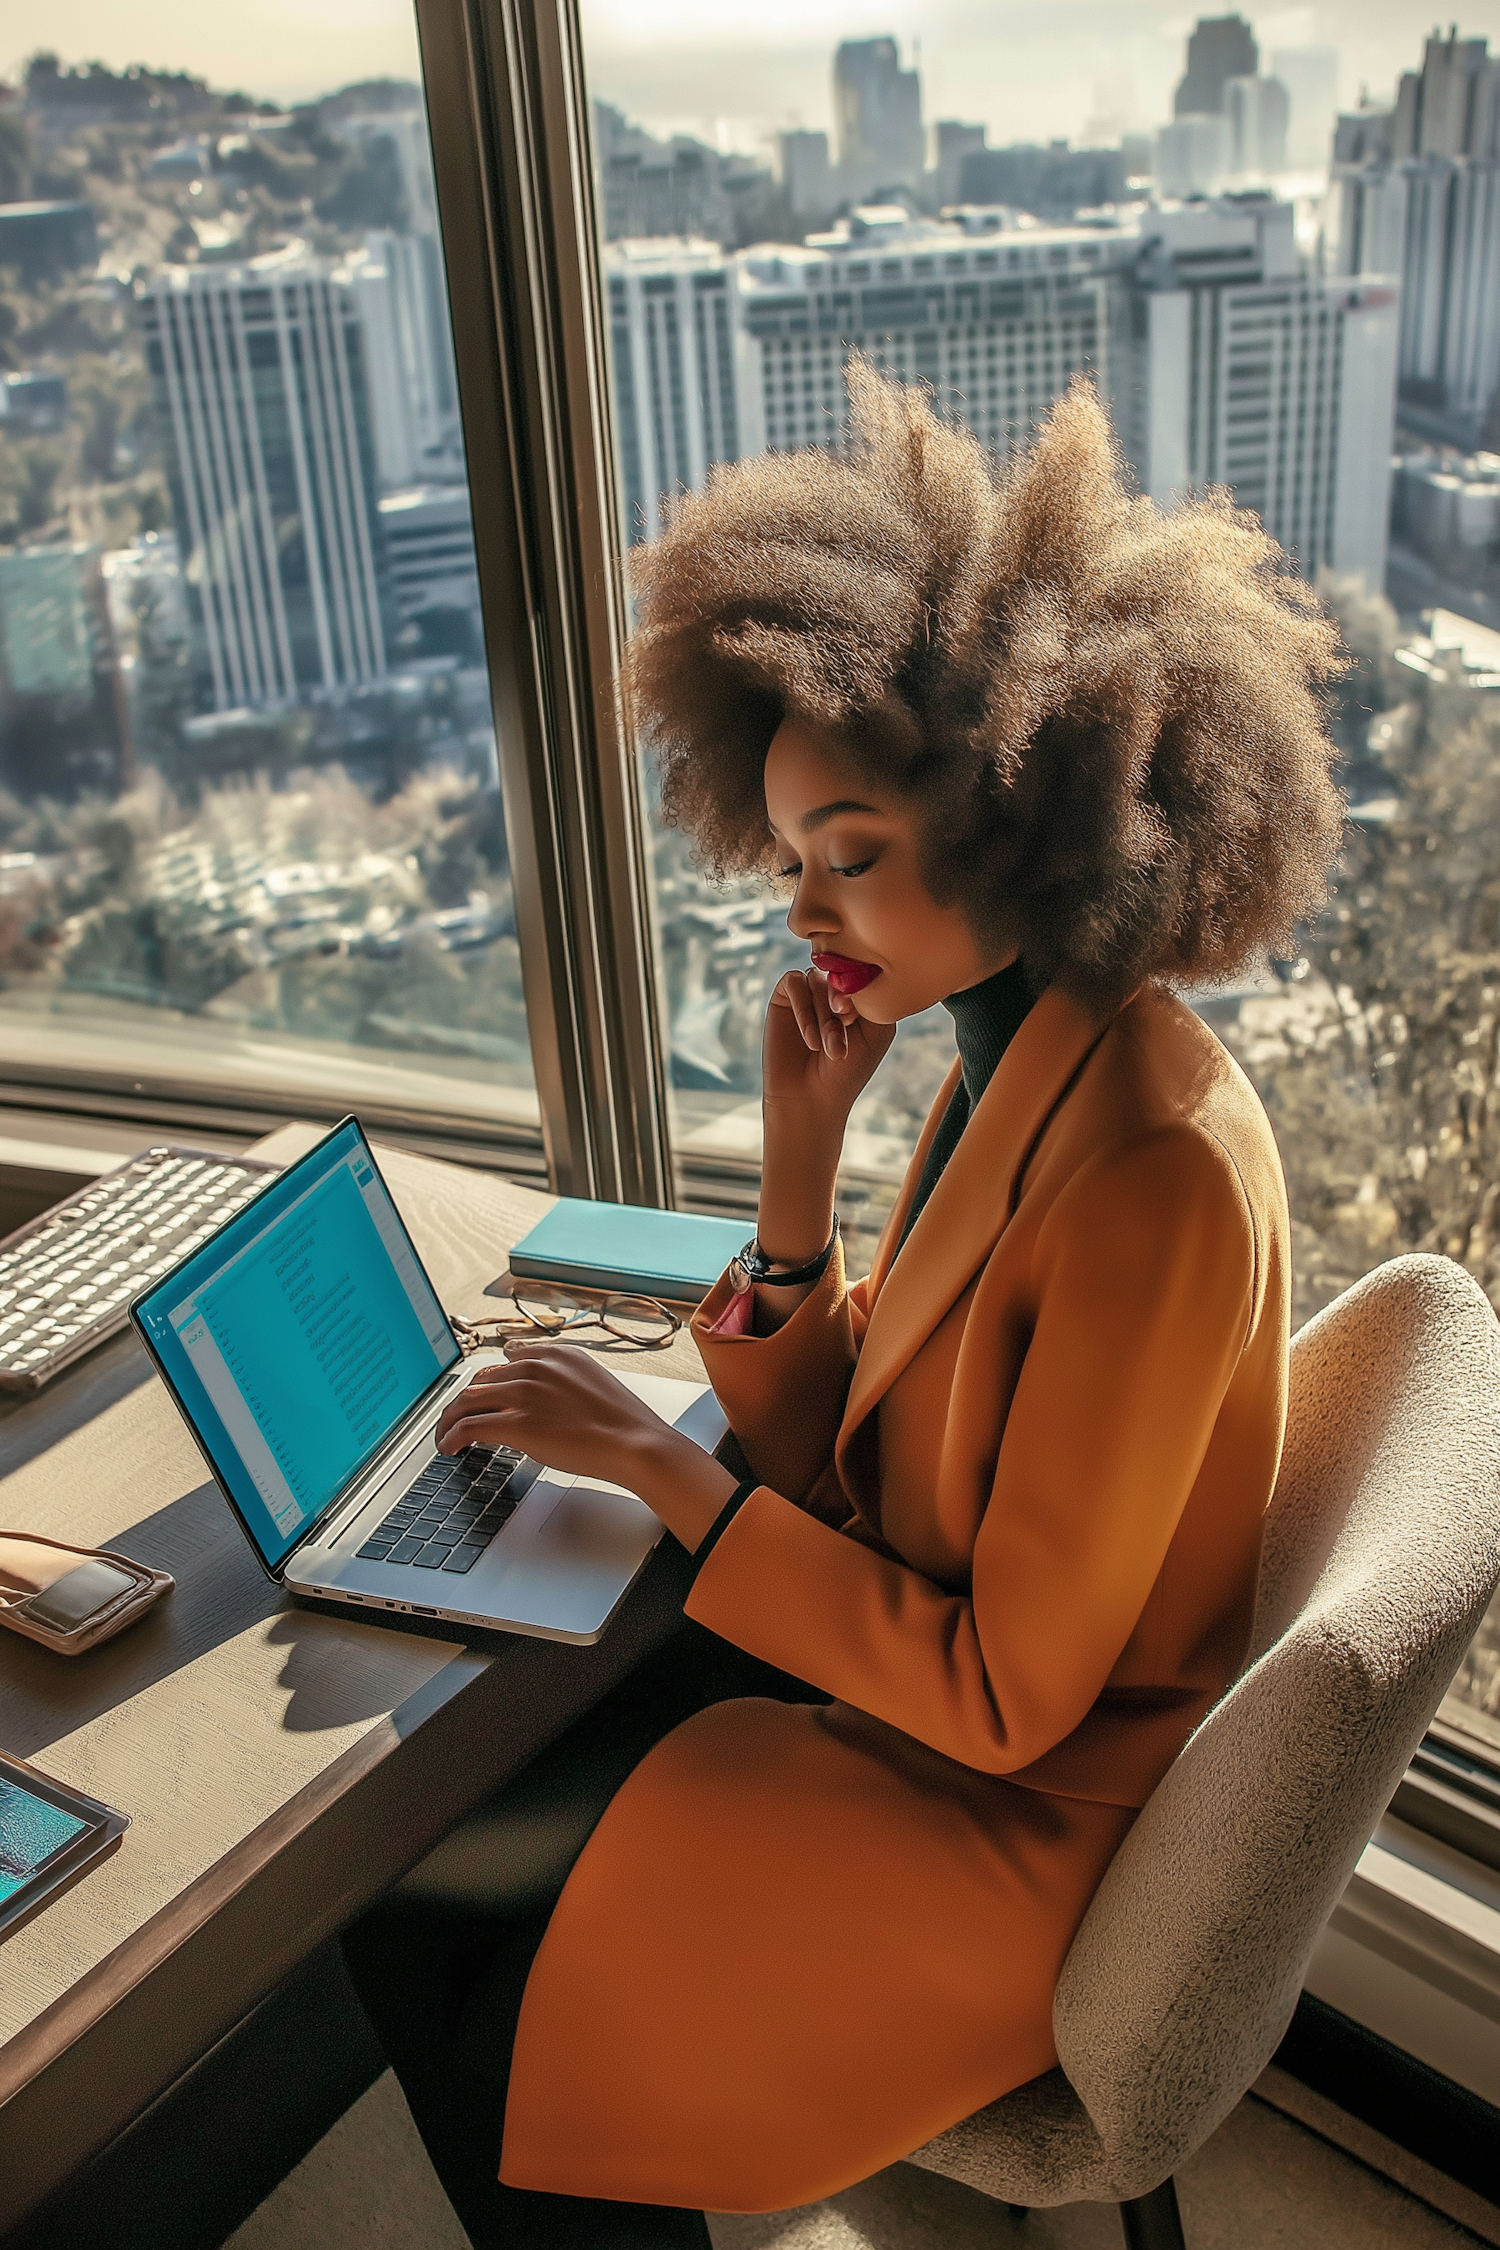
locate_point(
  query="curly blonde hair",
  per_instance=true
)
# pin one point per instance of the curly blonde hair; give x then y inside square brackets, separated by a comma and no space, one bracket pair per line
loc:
[1112,716]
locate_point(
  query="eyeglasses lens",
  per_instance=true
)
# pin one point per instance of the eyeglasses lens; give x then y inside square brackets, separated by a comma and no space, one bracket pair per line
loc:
[549,1308]
[637,1320]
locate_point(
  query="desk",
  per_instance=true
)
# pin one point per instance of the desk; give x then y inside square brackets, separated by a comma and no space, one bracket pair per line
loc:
[281,1765]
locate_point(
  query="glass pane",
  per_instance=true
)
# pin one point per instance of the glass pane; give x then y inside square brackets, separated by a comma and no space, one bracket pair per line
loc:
[250,831]
[769,201]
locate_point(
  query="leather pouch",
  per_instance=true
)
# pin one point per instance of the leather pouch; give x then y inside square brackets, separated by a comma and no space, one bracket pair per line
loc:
[72,1598]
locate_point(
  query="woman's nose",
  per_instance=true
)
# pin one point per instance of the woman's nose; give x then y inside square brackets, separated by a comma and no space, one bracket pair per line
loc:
[809,915]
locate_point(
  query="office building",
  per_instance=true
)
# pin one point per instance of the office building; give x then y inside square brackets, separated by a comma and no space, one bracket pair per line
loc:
[952,143]
[1219,48]
[1416,189]
[877,113]
[52,636]
[801,165]
[1311,78]
[1245,370]
[675,352]
[427,535]
[403,307]
[1052,181]
[45,240]
[1224,360]
[1446,507]
[403,298]
[1193,155]
[1258,111]
[33,400]
[997,323]
[650,188]
[261,387]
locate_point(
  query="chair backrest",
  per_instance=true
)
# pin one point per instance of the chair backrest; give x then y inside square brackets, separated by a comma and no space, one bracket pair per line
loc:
[1382,1553]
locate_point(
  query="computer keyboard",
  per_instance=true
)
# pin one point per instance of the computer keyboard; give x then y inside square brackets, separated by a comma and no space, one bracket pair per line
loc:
[449,1515]
[67,1277]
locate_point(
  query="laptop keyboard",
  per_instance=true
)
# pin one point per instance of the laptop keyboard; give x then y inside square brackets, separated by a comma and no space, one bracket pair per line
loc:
[457,1505]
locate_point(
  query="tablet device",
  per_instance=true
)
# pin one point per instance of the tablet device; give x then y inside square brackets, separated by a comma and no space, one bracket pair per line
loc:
[49,1837]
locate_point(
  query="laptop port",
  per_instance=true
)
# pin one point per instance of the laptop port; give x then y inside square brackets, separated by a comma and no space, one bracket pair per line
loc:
[418,1611]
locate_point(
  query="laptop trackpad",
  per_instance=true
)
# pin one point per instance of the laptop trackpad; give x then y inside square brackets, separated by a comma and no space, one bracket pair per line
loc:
[568,1554]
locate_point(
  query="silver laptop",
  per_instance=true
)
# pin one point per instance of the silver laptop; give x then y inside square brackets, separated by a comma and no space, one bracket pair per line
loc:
[307,1352]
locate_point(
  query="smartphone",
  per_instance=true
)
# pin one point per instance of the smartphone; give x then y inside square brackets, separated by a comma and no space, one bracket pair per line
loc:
[50,1836]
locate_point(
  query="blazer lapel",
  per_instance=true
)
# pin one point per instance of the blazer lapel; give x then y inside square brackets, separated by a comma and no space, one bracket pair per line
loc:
[972,1202]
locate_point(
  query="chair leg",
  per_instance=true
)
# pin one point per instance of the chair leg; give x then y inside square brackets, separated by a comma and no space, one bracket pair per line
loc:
[1153,2222]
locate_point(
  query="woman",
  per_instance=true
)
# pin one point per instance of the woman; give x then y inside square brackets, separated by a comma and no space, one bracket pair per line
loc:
[1037,750]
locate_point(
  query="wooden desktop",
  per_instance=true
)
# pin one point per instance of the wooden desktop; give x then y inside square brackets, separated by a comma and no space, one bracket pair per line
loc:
[281,1765]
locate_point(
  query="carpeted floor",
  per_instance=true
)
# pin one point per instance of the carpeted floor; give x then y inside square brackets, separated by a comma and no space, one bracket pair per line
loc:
[1262,2183]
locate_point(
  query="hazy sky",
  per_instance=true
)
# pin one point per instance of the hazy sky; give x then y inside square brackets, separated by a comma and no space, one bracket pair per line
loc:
[733,68]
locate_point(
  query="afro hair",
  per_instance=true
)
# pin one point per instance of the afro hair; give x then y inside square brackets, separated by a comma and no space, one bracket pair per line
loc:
[1112,716]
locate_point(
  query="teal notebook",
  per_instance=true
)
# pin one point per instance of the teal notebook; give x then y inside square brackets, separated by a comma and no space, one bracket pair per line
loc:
[621,1246]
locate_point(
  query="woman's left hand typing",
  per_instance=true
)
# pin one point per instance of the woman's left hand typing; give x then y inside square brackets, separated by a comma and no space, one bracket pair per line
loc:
[560,1405]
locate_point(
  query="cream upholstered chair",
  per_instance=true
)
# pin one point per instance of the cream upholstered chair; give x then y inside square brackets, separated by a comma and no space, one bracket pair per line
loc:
[1382,1553]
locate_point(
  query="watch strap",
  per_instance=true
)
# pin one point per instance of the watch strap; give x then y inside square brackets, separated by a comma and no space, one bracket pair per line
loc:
[753,1265]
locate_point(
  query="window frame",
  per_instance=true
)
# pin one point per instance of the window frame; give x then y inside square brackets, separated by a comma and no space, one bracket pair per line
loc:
[515,198]
[516,206]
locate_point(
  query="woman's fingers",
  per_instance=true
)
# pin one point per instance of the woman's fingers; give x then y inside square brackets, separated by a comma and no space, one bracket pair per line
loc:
[794,993]
[806,992]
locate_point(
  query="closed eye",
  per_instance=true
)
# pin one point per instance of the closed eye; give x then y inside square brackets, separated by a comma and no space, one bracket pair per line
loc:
[860,867]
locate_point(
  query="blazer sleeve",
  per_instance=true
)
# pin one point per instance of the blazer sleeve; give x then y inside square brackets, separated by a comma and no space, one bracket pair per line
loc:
[1143,1287]
[783,1395]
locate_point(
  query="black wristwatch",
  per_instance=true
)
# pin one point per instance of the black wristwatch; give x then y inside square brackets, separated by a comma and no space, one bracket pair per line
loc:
[753,1265]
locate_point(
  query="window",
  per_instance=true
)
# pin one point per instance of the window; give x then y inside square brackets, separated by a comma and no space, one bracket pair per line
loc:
[251,837]
[252,844]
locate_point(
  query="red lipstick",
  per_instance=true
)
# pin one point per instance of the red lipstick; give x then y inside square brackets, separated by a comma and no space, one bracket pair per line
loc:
[844,975]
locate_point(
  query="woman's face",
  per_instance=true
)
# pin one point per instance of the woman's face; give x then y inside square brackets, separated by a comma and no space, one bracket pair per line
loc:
[885,944]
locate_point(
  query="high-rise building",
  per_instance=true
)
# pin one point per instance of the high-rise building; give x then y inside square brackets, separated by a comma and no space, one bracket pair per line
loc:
[1219,48]
[1225,361]
[51,624]
[1416,190]
[800,163]
[1311,78]
[952,142]
[651,188]
[996,323]
[428,540]
[259,374]
[1258,110]
[877,115]
[1245,370]
[403,307]
[403,297]
[1052,181]
[1194,155]
[675,347]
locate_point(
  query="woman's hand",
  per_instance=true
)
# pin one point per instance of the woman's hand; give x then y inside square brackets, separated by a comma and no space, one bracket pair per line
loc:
[562,1406]
[819,1053]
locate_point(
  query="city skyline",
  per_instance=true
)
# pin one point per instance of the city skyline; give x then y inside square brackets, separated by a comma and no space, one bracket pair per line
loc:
[751,69]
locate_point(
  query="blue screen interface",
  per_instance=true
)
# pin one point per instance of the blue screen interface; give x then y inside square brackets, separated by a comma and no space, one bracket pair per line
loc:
[31,1830]
[298,1338]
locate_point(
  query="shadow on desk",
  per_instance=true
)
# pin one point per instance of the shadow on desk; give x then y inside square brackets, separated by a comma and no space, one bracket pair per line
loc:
[220,1594]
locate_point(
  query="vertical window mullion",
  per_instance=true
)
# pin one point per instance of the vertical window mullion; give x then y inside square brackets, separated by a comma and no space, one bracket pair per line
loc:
[515,199]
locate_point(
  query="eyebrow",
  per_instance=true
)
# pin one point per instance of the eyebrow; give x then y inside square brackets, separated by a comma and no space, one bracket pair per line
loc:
[813,820]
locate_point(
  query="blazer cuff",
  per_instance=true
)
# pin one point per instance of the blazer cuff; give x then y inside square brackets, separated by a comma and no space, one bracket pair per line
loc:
[721,1522]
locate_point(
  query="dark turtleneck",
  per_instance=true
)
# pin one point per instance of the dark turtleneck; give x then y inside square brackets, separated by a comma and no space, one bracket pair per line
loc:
[985,1018]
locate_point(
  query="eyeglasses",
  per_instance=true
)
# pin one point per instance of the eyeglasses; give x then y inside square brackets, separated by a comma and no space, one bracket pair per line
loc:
[545,1310]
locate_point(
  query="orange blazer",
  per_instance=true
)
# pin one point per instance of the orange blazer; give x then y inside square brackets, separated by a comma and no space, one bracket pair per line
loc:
[1009,1520]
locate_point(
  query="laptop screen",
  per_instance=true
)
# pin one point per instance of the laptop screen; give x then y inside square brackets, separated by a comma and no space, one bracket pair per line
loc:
[297,1337]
